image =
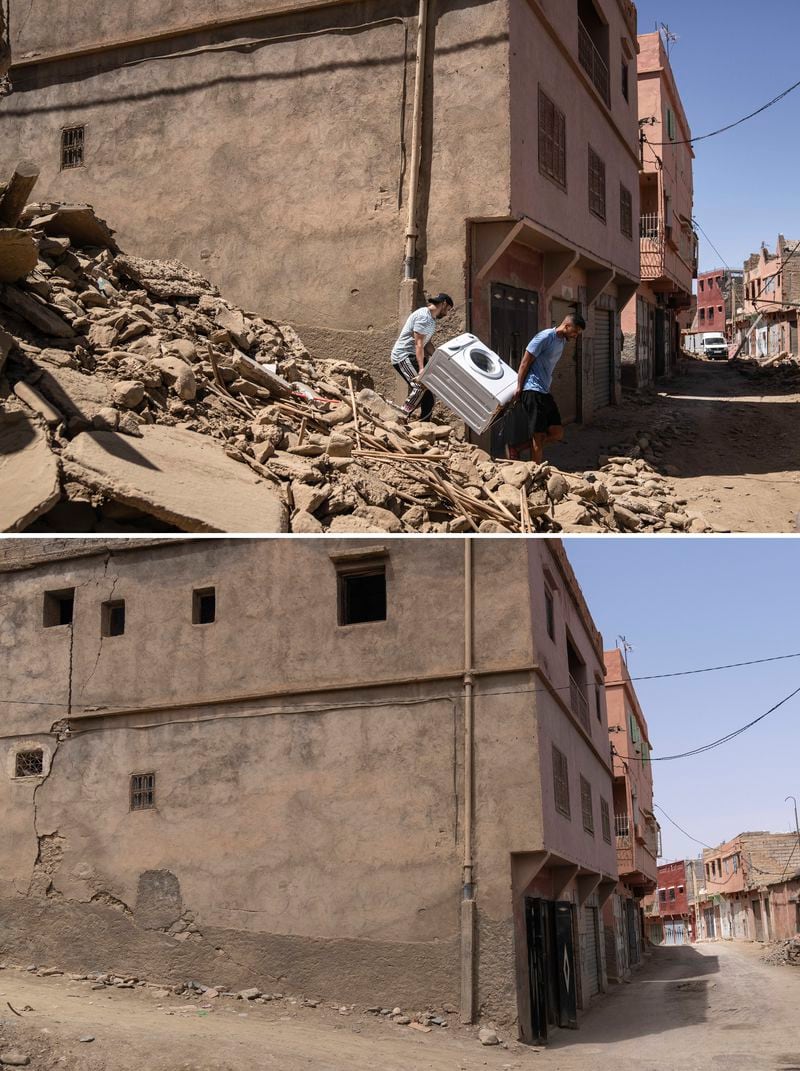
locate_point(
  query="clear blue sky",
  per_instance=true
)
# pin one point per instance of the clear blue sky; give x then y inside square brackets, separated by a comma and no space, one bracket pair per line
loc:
[692,603]
[733,56]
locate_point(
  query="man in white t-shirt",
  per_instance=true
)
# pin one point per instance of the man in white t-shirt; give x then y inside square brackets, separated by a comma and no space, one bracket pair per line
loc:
[411,348]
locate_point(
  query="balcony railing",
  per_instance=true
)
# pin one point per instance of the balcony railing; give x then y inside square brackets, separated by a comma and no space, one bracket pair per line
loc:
[578,702]
[593,63]
[651,240]
[622,826]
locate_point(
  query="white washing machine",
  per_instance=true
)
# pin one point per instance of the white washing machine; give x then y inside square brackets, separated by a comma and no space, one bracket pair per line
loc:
[469,378]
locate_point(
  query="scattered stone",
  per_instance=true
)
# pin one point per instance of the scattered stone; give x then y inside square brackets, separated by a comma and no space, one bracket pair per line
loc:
[14,1058]
[488,1037]
[86,1038]
[249,994]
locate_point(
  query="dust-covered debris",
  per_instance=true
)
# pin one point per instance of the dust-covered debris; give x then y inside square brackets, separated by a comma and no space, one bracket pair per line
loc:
[101,348]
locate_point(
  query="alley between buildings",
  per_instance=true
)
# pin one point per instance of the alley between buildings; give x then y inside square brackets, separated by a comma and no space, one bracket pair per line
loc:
[727,441]
[698,1007]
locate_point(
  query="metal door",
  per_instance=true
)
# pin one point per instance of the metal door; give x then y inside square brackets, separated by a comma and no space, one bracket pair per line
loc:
[603,358]
[565,965]
[793,339]
[567,376]
[515,320]
[661,344]
[590,951]
[669,933]
[708,915]
[536,923]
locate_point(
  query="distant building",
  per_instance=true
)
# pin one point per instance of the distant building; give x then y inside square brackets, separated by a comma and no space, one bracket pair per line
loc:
[668,243]
[766,322]
[668,919]
[720,293]
[636,831]
[739,874]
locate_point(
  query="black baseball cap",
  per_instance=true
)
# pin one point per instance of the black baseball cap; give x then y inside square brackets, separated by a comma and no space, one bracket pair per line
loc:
[439,298]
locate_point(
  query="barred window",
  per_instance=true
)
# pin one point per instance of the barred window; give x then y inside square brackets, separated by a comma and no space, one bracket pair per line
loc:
[72,143]
[597,185]
[625,211]
[586,806]
[29,763]
[605,820]
[552,141]
[561,782]
[143,791]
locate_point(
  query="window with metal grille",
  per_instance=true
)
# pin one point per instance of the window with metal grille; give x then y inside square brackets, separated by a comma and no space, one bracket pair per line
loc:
[58,607]
[204,606]
[72,143]
[112,618]
[143,791]
[29,763]
[362,596]
[597,185]
[586,806]
[625,211]
[605,820]
[552,141]
[561,782]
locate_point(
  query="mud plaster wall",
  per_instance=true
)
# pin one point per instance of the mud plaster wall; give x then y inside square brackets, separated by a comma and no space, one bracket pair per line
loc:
[281,170]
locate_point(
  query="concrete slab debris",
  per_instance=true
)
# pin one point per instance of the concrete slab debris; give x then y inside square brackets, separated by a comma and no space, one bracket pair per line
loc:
[180,477]
[29,477]
[18,254]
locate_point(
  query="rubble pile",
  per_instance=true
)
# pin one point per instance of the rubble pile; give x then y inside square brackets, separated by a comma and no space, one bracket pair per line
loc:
[784,952]
[135,398]
[780,373]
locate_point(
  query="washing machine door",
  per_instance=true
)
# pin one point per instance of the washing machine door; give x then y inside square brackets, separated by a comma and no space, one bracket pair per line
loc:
[483,362]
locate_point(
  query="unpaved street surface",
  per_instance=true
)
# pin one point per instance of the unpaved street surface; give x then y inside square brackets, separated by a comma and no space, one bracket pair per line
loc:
[697,1008]
[730,444]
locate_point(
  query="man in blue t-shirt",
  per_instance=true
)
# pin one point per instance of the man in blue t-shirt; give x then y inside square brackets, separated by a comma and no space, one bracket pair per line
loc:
[534,418]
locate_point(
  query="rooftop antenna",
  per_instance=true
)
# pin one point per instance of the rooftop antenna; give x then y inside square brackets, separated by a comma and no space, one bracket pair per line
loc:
[625,647]
[669,37]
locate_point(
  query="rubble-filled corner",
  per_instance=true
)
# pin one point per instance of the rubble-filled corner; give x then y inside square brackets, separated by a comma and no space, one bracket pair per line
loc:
[133,397]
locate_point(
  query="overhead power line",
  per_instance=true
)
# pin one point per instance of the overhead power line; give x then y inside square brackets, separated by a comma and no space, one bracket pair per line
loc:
[730,126]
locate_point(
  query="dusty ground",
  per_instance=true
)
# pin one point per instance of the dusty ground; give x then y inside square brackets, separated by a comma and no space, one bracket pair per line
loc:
[695,1008]
[733,452]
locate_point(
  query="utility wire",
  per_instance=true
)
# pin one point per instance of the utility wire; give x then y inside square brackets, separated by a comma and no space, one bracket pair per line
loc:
[714,743]
[730,126]
[689,835]
[565,688]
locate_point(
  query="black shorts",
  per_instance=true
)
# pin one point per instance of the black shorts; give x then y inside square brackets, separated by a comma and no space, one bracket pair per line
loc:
[532,414]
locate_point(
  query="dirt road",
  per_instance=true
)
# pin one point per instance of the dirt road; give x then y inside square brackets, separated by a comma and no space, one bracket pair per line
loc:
[693,1008]
[730,445]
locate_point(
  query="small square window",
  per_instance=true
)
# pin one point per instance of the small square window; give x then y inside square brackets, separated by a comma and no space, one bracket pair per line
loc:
[113,618]
[362,596]
[73,139]
[58,607]
[662,895]
[29,763]
[143,791]
[204,606]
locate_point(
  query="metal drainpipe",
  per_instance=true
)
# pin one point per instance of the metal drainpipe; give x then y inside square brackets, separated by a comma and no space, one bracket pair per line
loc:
[410,261]
[468,904]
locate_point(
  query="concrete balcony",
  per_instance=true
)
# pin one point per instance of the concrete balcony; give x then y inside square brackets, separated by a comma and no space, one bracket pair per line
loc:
[593,63]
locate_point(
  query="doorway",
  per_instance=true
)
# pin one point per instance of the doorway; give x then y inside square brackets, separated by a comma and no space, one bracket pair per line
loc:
[515,320]
[566,387]
[551,966]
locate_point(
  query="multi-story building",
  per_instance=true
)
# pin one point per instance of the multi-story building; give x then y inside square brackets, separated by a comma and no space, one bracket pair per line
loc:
[635,827]
[720,293]
[668,917]
[248,760]
[668,242]
[766,322]
[327,165]
[738,876]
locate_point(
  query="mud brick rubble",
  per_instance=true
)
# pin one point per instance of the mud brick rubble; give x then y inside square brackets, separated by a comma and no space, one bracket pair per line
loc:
[784,952]
[133,397]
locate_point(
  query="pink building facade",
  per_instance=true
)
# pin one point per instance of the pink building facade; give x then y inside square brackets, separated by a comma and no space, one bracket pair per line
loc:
[636,830]
[668,243]
[766,324]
